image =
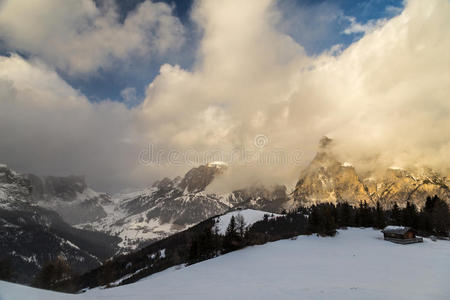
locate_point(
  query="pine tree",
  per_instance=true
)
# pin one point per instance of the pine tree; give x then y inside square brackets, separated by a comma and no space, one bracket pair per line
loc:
[396,214]
[440,217]
[322,219]
[426,216]
[231,229]
[360,214]
[194,251]
[206,244]
[367,220]
[429,204]
[6,270]
[314,220]
[109,272]
[329,212]
[231,240]
[380,221]
[345,214]
[52,272]
[203,246]
[410,217]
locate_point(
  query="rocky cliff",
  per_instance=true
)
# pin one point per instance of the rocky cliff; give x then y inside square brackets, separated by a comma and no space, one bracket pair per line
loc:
[328,180]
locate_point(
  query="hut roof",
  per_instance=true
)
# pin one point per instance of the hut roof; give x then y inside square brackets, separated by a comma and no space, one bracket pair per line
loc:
[397,229]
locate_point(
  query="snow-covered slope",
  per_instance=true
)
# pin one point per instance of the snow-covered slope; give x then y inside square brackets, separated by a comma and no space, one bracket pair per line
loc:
[356,264]
[250,216]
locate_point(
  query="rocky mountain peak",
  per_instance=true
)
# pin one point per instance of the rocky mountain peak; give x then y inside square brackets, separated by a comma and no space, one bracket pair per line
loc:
[164,183]
[325,143]
[66,188]
[197,179]
[328,180]
[6,176]
[15,189]
[324,157]
[69,196]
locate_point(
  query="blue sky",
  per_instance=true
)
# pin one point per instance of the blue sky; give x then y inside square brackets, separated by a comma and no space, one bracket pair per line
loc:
[137,74]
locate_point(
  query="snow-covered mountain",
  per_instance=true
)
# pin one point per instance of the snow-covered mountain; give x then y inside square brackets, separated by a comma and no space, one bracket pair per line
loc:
[172,205]
[328,180]
[356,264]
[70,197]
[140,217]
[31,235]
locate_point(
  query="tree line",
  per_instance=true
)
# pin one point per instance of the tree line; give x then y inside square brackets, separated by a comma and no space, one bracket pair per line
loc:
[432,219]
[323,219]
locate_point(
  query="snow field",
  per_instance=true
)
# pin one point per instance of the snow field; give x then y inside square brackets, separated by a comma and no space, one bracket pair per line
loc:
[356,264]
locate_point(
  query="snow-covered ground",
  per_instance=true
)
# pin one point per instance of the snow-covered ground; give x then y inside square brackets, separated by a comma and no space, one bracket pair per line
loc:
[251,216]
[356,264]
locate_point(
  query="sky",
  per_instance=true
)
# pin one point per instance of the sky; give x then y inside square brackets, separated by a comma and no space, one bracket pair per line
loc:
[305,16]
[126,92]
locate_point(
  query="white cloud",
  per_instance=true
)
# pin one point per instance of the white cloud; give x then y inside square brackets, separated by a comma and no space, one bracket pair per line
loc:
[384,99]
[393,10]
[47,127]
[78,37]
[129,95]
[368,27]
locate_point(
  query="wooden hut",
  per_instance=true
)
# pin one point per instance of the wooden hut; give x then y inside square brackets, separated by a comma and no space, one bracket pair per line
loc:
[401,235]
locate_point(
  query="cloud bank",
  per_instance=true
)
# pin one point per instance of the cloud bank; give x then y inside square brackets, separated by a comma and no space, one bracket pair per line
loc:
[384,99]
[78,37]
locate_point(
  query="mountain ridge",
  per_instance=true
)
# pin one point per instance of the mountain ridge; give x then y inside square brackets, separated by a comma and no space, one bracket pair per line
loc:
[328,180]
[31,235]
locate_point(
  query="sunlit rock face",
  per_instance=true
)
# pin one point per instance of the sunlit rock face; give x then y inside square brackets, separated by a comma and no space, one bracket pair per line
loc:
[272,199]
[328,180]
[398,185]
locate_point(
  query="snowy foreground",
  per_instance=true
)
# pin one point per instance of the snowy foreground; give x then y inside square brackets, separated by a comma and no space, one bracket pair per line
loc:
[356,264]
